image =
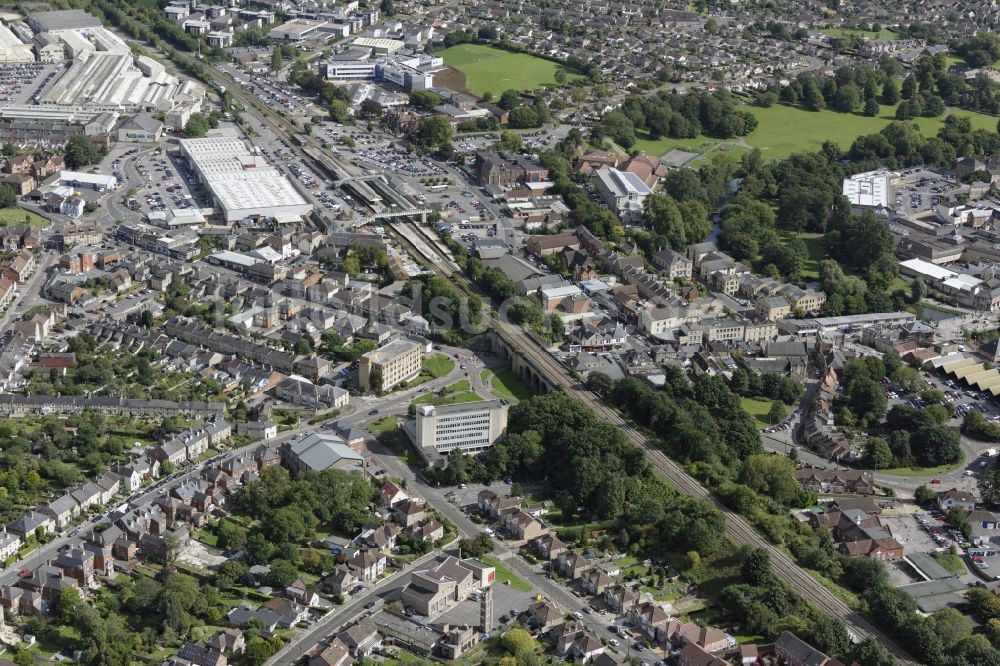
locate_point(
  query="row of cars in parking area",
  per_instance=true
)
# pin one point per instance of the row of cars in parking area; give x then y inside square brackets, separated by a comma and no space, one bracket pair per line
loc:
[940,532]
[400,160]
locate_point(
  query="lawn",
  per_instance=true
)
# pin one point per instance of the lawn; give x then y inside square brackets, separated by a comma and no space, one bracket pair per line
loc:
[447,399]
[920,471]
[508,386]
[14,216]
[757,409]
[817,253]
[437,365]
[489,69]
[952,563]
[783,130]
[383,425]
[504,574]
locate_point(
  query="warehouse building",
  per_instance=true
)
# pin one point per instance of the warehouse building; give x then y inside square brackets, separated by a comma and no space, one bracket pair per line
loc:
[471,427]
[242,184]
[87,181]
[13,49]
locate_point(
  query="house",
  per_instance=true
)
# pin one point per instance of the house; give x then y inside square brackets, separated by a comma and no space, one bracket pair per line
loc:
[62,510]
[229,642]
[288,612]
[543,615]
[299,593]
[10,543]
[195,654]
[30,523]
[694,655]
[620,598]
[408,512]
[748,654]
[339,581]
[522,526]
[368,565]
[835,481]
[595,581]
[335,654]
[585,647]
[572,564]
[672,264]
[428,530]
[548,546]
[390,494]
[950,499]
[382,537]
[361,638]
[794,651]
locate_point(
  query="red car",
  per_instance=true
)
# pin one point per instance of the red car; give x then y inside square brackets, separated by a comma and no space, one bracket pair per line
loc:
[935,480]
[24,573]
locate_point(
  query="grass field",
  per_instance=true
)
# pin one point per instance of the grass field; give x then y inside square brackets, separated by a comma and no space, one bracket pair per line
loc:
[783,130]
[920,471]
[817,253]
[504,574]
[757,409]
[507,386]
[383,425]
[14,216]
[437,365]
[489,69]
[884,33]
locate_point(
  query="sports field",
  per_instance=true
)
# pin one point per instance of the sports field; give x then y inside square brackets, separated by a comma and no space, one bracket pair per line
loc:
[489,69]
[783,130]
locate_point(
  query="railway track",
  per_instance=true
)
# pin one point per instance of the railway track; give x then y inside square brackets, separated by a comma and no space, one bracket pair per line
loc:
[738,529]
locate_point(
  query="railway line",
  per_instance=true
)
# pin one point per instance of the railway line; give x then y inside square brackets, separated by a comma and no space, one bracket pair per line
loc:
[738,529]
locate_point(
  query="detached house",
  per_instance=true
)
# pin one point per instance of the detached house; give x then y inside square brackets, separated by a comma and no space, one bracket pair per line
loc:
[950,499]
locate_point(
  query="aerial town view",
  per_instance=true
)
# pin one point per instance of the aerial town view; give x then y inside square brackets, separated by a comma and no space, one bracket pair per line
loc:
[499,332]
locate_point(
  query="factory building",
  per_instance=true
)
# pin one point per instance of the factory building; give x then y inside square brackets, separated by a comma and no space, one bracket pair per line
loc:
[242,184]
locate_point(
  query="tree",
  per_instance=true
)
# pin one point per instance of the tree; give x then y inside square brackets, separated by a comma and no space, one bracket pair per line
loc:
[812,98]
[923,495]
[877,454]
[7,196]
[518,641]
[80,152]
[936,445]
[509,100]
[424,100]
[950,625]
[756,567]
[434,132]
[907,379]
[197,126]
[67,604]
[276,61]
[229,573]
[910,87]
[848,98]
[510,142]
[777,413]
[387,7]
[339,111]
[560,76]
[257,651]
[282,573]
[871,107]
[370,109]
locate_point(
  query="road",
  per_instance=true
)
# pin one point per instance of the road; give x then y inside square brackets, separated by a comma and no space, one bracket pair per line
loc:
[738,529]
[326,626]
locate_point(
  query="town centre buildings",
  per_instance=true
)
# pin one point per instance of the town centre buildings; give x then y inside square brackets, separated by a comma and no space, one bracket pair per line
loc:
[242,184]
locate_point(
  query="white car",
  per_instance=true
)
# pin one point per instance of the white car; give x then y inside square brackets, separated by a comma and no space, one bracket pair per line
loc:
[614,641]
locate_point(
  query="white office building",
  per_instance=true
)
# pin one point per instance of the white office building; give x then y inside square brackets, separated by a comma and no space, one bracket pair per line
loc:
[471,427]
[623,192]
[871,189]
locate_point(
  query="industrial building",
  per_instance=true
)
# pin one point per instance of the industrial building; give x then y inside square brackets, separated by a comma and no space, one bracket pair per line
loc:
[87,181]
[13,49]
[871,189]
[379,46]
[471,427]
[242,184]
